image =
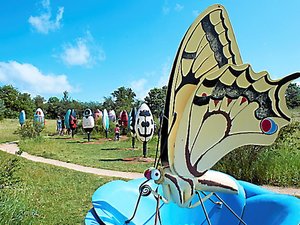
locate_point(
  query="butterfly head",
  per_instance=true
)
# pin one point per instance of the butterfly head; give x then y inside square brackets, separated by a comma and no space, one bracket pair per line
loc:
[154,174]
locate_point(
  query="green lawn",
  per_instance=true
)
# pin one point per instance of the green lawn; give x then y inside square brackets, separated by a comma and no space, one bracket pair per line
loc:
[100,153]
[36,193]
[7,128]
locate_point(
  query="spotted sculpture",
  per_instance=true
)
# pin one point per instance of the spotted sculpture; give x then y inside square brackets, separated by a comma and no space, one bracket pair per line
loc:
[144,126]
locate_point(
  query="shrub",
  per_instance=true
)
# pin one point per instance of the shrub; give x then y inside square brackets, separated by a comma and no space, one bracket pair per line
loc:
[28,130]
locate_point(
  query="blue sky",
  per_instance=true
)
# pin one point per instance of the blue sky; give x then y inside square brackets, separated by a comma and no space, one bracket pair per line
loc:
[90,48]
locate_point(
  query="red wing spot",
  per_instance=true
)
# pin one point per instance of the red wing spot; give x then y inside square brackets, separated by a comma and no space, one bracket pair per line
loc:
[216,102]
[243,100]
[266,125]
[204,95]
[229,100]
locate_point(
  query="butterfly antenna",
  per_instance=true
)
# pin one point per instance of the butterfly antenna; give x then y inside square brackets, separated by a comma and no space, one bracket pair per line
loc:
[204,210]
[165,143]
[144,190]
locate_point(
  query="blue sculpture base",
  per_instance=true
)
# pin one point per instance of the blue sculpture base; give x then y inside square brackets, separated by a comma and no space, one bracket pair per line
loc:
[115,201]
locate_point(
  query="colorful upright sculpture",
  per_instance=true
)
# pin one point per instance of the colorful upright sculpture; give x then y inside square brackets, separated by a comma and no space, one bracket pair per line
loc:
[88,122]
[144,126]
[131,123]
[22,118]
[105,122]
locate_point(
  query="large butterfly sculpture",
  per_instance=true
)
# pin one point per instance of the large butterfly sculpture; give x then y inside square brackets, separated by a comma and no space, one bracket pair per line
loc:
[214,104]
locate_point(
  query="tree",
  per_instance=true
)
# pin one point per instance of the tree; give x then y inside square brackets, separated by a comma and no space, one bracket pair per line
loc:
[53,107]
[156,100]
[124,99]
[9,96]
[39,101]
[108,103]
[293,95]
[2,109]
[66,98]
[25,103]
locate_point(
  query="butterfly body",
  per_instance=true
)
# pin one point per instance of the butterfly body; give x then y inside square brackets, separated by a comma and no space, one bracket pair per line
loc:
[182,190]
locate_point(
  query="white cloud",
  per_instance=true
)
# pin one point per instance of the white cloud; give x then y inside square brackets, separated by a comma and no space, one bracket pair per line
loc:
[165,73]
[195,13]
[178,7]
[76,55]
[27,77]
[139,88]
[142,86]
[44,23]
[167,8]
[85,52]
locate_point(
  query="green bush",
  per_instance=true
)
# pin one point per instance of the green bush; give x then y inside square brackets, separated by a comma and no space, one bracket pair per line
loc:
[30,130]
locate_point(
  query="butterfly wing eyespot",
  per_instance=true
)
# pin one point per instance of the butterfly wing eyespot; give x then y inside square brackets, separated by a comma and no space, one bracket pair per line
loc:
[155,174]
[268,126]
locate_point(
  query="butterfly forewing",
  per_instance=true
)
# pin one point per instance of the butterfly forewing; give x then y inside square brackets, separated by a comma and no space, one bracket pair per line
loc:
[208,45]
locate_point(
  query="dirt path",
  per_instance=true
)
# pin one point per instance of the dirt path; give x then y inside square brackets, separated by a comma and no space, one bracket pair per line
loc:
[12,148]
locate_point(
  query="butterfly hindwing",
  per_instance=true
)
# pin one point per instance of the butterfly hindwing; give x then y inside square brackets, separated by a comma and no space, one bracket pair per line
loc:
[224,113]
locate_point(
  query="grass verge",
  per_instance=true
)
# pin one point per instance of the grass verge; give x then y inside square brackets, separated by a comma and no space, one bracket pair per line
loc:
[36,193]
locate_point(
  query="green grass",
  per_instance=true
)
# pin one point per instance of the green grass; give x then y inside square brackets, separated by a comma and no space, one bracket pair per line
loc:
[7,128]
[44,194]
[98,153]
[278,164]
[296,113]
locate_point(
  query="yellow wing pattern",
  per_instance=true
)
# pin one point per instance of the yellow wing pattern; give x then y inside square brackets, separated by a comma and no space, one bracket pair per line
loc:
[231,107]
[208,45]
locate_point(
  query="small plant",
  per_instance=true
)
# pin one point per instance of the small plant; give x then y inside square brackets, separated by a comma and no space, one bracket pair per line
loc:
[30,130]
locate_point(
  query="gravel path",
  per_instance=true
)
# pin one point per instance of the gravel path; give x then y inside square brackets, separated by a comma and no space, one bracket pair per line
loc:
[12,148]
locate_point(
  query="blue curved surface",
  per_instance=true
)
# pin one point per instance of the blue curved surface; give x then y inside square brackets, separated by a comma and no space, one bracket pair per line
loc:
[115,201]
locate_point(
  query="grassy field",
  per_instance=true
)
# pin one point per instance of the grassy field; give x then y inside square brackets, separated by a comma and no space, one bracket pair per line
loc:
[278,164]
[100,153]
[35,193]
[7,128]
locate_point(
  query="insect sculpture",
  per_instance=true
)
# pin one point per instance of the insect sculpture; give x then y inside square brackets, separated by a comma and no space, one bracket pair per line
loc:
[88,122]
[112,115]
[22,118]
[39,118]
[132,121]
[144,126]
[215,103]
[105,122]
[73,122]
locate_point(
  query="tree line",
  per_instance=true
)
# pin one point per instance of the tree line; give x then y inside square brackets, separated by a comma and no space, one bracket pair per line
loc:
[12,101]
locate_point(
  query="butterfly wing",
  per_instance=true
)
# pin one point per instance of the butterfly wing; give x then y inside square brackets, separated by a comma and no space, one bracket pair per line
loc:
[231,107]
[208,45]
